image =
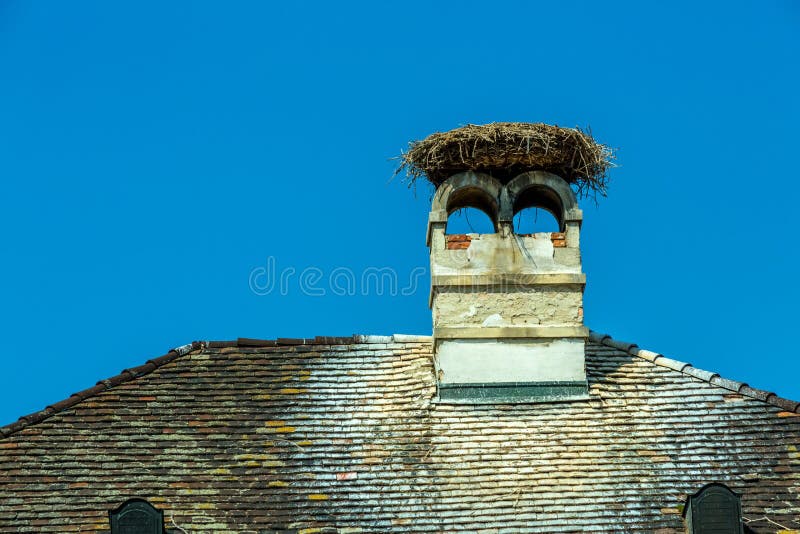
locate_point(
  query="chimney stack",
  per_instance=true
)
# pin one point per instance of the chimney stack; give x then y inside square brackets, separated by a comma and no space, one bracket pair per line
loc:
[508,308]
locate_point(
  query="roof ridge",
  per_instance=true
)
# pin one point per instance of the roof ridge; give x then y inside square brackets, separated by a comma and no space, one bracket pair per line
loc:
[126,375]
[688,369]
[355,339]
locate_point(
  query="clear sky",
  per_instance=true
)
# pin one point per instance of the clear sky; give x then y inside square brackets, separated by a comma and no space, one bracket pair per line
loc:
[153,156]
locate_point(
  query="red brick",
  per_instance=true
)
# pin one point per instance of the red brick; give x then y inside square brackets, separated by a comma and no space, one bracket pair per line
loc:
[459,237]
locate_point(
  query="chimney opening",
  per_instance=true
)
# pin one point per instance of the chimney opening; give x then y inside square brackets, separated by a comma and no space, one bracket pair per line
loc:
[469,221]
[535,220]
[542,199]
[475,203]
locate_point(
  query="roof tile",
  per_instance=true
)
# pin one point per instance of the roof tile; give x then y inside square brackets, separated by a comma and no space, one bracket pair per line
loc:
[731,385]
[759,394]
[247,342]
[699,373]
[672,364]
[292,341]
[648,355]
[621,345]
[784,404]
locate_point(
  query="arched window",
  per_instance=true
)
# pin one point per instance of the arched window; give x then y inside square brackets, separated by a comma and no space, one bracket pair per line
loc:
[136,516]
[469,220]
[467,203]
[534,204]
[535,220]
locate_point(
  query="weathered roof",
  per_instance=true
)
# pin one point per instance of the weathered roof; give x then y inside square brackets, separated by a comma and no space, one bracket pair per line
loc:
[345,435]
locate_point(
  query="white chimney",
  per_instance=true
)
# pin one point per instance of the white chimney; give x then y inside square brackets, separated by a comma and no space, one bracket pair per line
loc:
[507,308]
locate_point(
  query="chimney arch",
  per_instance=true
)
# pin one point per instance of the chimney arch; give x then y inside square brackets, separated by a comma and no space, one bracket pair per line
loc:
[469,190]
[539,189]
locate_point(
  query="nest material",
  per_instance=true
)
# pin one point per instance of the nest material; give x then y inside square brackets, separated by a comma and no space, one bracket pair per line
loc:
[506,149]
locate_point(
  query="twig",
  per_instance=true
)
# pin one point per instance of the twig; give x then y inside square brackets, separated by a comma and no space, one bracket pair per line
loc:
[174,524]
[507,149]
[768,520]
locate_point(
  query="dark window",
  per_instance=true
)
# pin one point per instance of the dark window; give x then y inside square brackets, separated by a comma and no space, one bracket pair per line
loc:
[714,509]
[136,516]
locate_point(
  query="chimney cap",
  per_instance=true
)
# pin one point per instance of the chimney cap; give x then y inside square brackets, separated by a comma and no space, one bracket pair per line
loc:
[506,149]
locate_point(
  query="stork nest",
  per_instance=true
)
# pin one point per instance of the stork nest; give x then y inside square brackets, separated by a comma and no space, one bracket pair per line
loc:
[506,149]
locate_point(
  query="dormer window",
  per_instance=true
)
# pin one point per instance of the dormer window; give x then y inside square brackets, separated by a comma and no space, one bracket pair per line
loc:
[715,509]
[136,516]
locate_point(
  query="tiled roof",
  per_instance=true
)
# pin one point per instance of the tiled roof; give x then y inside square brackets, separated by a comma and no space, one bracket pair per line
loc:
[707,376]
[345,435]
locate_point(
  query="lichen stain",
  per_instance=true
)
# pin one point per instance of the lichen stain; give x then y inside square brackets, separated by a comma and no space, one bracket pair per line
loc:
[275,423]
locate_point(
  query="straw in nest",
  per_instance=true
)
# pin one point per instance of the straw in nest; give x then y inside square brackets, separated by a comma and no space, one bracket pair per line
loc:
[505,149]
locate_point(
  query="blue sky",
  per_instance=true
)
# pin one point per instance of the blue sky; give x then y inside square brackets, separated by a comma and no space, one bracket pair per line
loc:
[153,155]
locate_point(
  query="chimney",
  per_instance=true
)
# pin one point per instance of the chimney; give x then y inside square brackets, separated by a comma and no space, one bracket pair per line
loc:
[507,308]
